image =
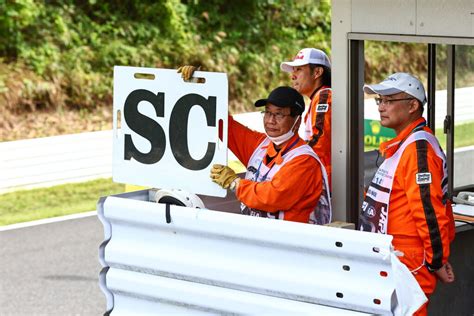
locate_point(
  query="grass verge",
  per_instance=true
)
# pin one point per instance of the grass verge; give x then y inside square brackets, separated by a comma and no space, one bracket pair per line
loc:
[28,205]
[463,135]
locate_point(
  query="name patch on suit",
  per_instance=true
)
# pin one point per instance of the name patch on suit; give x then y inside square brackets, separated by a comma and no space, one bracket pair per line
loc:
[423,178]
[324,107]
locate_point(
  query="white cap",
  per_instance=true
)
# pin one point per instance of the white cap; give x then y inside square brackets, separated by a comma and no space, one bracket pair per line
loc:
[178,197]
[396,83]
[306,56]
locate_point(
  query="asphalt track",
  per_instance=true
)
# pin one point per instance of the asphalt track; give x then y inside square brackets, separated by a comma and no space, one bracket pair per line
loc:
[52,269]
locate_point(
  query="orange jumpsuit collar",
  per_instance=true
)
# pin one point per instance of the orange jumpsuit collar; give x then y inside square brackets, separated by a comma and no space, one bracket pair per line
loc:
[388,148]
[277,155]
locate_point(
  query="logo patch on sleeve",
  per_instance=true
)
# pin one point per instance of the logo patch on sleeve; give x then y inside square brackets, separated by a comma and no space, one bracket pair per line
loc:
[323,107]
[423,178]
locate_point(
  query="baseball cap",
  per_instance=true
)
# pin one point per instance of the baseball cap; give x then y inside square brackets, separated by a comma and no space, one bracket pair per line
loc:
[396,83]
[306,56]
[284,97]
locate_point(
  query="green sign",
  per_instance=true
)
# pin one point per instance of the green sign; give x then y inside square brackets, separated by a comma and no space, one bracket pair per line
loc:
[374,133]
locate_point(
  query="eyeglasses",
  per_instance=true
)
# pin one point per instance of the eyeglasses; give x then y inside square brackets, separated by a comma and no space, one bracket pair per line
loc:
[380,101]
[278,116]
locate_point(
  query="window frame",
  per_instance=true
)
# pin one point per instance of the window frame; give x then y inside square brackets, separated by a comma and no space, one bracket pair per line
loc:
[355,188]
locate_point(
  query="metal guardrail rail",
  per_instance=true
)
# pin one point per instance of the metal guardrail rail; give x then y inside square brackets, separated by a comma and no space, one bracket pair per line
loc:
[55,160]
[207,261]
[79,157]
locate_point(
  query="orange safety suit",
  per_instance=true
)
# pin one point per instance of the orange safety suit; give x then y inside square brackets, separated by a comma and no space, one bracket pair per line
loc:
[318,126]
[420,216]
[295,189]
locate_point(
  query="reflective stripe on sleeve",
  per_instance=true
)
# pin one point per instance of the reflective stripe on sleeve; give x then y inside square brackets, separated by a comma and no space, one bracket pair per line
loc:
[430,215]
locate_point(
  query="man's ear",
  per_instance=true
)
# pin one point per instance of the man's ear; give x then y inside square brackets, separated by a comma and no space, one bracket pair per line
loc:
[414,106]
[317,72]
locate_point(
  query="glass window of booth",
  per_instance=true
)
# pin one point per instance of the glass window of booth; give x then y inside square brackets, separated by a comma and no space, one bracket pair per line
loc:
[447,72]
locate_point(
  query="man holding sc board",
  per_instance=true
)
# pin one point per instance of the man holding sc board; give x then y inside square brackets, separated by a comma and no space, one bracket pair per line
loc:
[285,179]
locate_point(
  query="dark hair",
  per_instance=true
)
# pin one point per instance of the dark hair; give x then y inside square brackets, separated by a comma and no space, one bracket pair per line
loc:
[326,73]
[422,108]
[294,112]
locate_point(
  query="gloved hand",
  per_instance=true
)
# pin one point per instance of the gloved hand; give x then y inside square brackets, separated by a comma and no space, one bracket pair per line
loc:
[223,175]
[187,71]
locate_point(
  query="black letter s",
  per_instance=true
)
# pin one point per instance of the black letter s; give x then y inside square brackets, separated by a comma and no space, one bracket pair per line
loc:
[144,126]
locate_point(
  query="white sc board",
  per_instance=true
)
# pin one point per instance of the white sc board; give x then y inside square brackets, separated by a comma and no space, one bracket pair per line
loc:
[167,132]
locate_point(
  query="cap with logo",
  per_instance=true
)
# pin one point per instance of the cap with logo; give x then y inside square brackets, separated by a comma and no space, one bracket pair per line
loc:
[396,83]
[284,97]
[306,56]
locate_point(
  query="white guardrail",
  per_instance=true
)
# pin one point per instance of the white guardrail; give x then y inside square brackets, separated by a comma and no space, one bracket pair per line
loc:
[48,161]
[62,159]
[201,261]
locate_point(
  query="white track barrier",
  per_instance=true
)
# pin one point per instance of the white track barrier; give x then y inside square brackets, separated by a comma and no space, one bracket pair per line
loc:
[212,262]
[62,159]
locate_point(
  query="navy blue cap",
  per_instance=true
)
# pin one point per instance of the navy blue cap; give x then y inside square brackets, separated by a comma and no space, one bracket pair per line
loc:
[284,97]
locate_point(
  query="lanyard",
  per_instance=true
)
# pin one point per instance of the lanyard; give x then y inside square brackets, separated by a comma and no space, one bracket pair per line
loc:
[272,163]
[416,129]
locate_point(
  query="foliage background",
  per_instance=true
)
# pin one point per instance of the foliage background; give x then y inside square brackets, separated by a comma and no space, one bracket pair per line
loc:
[57,56]
[60,54]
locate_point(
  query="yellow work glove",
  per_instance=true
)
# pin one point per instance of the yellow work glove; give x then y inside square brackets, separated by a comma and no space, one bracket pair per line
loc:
[223,175]
[187,72]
